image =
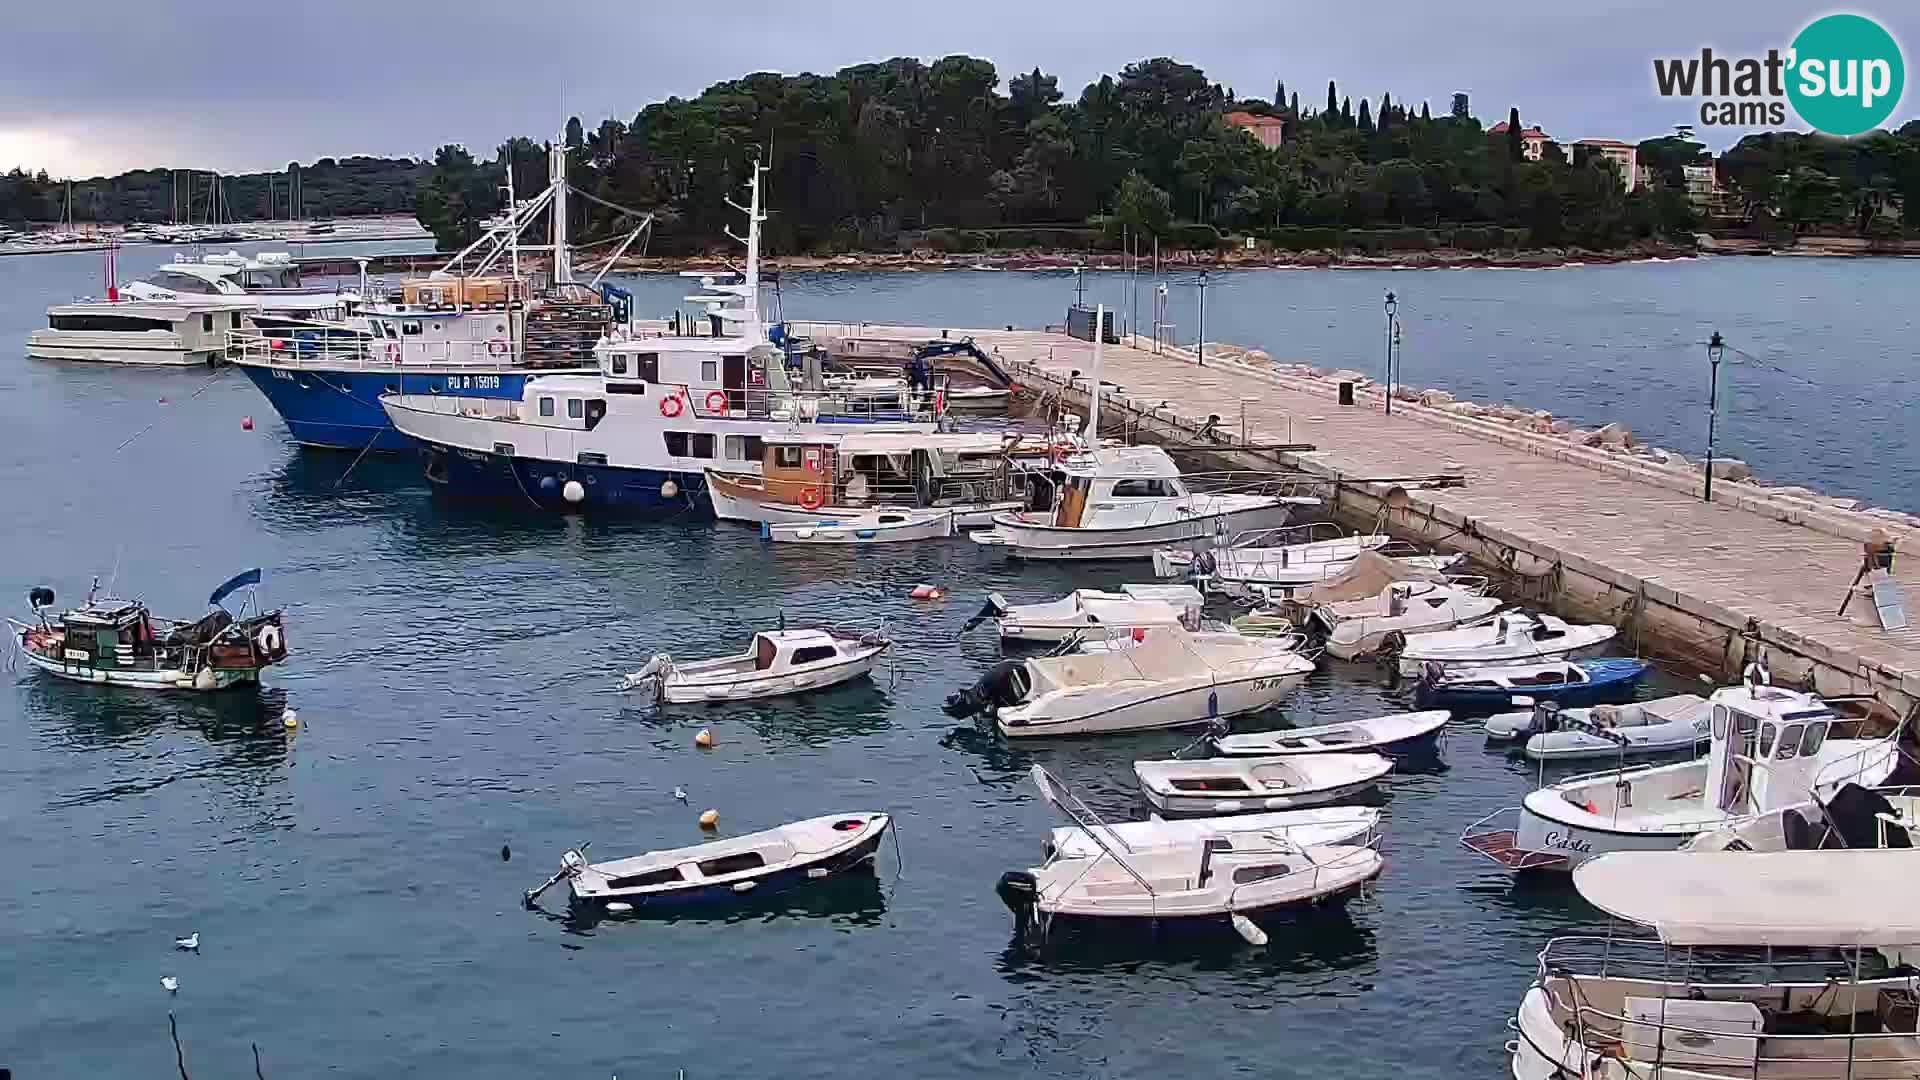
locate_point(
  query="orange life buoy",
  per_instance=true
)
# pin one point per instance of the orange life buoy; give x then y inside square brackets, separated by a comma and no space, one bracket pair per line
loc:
[810,498]
[496,347]
[717,402]
[670,406]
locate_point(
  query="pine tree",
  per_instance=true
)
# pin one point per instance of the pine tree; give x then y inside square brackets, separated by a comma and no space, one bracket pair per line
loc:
[1346,111]
[1515,148]
[1280,94]
[1333,106]
[1293,105]
[1426,114]
[1386,118]
[1366,118]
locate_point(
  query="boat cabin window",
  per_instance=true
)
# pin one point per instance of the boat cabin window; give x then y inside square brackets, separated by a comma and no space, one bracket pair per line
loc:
[546,406]
[206,323]
[181,283]
[732,864]
[709,371]
[670,876]
[1767,733]
[236,320]
[701,445]
[786,457]
[596,412]
[504,449]
[411,327]
[1719,721]
[1789,742]
[1815,737]
[619,364]
[1150,488]
[676,443]
[589,458]
[105,322]
[576,408]
[1248,874]
[744,448]
[813,654]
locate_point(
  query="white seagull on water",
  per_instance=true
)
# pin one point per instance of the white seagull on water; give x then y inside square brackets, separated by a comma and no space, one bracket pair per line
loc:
[191,942]
[680,793]
[172,984]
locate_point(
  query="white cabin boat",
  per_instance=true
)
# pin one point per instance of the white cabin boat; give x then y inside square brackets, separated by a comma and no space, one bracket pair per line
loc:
[1093,614]
[1125,503]
[901,526]
[1237,785]
[1770,747]
[1356,628]
[1258,558]
[149,327]
[1169,680]
[1397,733]
[1211,879]
[1769,965]
[1514,637]
[778,662]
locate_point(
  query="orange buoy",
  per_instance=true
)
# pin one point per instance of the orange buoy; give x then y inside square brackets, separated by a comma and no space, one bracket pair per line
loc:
[928,592]
[704,740]
[710,819]
[246,423]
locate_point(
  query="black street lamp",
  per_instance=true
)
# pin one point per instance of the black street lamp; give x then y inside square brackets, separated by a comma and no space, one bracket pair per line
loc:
[1392,307]
[1716,349]
[1203,319]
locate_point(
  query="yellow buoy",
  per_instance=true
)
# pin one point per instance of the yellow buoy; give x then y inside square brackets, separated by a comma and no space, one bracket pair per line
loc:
[290,718]
[704,740]
[709,819]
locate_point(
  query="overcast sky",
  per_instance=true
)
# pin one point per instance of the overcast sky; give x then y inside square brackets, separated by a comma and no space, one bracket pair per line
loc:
[115,84]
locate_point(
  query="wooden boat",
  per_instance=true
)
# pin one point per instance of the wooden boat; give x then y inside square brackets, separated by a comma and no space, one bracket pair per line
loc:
[1241,785]
[872,527]
[1310,827]
[1580,682]
[778,662]
[1356,628]
[1514,637]
[121,643]
[735,870]
[1095,613]
[811,475]
[1169,680]
[1662,726]
[1398,733]
[1208,880]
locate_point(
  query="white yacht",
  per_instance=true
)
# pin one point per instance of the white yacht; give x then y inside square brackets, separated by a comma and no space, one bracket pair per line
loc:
[146,326]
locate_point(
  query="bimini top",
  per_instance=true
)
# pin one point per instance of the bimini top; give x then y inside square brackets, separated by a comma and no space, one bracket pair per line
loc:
[1781,898]
[1122,462]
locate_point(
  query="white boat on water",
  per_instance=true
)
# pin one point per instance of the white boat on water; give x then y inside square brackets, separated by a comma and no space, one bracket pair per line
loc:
[144,326]
[1513,637]
[1092,614]
[1397,733]
[1770,747]
[778,662]
[1356,628]
[1259,558]
[1237,785]
[1850,817]
[1304,828]
[1127,502]
[900,526]
[1665,725]
[1220,880]
[734,870]
[1171,679]
[1768,965]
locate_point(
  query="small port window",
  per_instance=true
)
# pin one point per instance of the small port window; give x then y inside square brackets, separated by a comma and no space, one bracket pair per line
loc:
[411,327]
[619,364]
[813,654]
[676,443]
[586,458]
[786,457]
[701,446]
[504,449]
[546,406]
[709,371]
[206,323]
[576,408]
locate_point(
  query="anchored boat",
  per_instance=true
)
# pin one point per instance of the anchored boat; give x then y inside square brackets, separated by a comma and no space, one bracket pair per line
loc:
[1356,628]
[1304,828]
[1396,734]
[121,643]
[1092,614]
[1660,726]
[873,527]
[1581,682]
[1242,784]
[778,662]
[1514,637]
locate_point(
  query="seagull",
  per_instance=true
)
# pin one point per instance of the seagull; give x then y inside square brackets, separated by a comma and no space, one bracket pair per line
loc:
[191,942]
[680,793]
[172,984]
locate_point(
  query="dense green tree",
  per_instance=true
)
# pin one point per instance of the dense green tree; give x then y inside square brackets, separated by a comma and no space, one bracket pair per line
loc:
[1366,118]
[1142,207]
[458,197]
[1516,147]
[1332,114]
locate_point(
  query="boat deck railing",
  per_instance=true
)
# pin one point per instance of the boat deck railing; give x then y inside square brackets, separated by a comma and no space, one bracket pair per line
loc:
[325,350]
[699,402]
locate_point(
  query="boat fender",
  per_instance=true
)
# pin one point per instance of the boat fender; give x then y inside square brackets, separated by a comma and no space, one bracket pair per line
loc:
[496,347]
[669,489]
[670,406]
[717,403]
[573,491]
[927,592]
[810,498]
[710,819]
[269,639]
[204,680]
[618,907]
[704,740]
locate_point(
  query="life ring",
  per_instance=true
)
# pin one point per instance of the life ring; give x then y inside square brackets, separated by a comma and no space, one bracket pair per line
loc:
[810,498]
[717,402]
[393,352]
[670,406]
[268,639]
[496,347]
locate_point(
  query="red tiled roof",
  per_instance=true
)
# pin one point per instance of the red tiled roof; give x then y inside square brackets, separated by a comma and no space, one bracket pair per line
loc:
[1247,119]
[1525,133]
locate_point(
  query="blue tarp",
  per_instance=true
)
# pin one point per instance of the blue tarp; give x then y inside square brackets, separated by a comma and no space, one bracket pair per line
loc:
[238,581]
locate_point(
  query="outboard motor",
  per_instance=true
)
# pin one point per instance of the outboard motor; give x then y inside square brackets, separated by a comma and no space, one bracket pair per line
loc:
[1005,683]
[1546,718]
[1018,889]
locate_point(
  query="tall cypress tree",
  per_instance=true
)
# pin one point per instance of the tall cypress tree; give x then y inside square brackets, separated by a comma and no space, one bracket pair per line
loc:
[1366,118]
[1386,118]
[1293,105]
[1426,114]
[1346,111]
[1280,94]
[1333,106]
[1515,148]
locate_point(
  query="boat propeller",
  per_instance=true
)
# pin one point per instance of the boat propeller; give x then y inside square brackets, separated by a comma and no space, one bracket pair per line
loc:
[572,861]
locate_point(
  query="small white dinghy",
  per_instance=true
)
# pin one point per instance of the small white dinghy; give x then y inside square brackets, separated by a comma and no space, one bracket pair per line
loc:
[729,871]
[1355,628]
[874,527]
[777,662]
[1665,725]
[1252,558]
[1305,828]
[1514,637]
[1398,733]
[1092,614]
[1242,785]
[1208,880]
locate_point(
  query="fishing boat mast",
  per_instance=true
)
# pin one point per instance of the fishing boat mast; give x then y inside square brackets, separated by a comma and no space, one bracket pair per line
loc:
[557,180]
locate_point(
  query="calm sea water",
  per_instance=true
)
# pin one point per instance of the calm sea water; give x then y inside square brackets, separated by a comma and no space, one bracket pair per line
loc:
[453,671]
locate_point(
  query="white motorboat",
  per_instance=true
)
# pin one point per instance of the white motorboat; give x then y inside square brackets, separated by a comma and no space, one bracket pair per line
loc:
[873,527]
[1169,680]
[1210,879]
[1126,502]
[151,327]
[1513,637]
[1664,725]
[1310,827]
[1356,628]
[1770,747]
[778,662]
[1256,558]
[1851,817]
[735,870]
[1092,614]
[1768,965]
[1398,733]
[1235,785]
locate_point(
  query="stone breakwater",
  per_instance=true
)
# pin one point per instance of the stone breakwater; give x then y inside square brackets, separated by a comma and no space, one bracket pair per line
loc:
[1733,478]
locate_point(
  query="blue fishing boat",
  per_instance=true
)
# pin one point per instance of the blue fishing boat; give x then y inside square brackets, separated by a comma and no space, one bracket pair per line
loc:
[471,333]
[1582,682]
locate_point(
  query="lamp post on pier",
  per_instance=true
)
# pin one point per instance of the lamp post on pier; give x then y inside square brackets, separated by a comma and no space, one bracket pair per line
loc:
[1393,306]
[1716,350]
[1202,349]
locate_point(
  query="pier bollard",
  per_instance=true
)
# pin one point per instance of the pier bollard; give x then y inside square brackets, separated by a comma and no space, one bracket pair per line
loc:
[1346,393]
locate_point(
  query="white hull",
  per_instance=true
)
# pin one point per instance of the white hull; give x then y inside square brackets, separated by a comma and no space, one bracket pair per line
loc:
[1213,804]
[777,684]
[1301,828]
[1103,889]
[866,529]
[151,349]
[1095,614]
[166,679]
[1489,646]
[1146,706]
[1025,540]
[730,507]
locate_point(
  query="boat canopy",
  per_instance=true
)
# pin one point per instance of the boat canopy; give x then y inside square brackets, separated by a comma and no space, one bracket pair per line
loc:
[1791,899]
[238,581]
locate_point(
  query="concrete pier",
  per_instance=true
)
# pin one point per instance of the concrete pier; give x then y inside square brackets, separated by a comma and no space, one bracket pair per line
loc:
[1595,535]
